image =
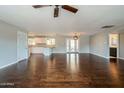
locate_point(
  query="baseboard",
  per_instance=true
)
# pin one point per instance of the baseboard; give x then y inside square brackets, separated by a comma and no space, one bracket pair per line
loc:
[69,52]
[121,58]
[11,64]
[99,55]
[8,65]
[22,59]
[58,52]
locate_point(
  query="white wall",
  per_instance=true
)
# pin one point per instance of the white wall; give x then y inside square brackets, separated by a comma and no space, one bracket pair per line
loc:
[8,44]
[99,44]
[8,41]
[61,44]
[22,46]
[121,46]
[84,44]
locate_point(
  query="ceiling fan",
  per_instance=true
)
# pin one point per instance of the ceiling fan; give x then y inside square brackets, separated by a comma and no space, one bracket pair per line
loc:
[56,9]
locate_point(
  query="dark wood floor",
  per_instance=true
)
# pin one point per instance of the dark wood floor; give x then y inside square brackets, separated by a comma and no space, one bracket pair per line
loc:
[62,70]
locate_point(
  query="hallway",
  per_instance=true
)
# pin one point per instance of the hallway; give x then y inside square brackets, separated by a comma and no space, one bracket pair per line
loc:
[60,70]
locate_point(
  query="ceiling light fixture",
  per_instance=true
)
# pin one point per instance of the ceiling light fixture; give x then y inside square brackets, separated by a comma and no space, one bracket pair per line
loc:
[76,36]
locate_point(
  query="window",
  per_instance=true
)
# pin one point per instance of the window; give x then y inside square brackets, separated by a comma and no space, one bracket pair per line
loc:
[72,45]
[31,41]
[50,41]
[113,40]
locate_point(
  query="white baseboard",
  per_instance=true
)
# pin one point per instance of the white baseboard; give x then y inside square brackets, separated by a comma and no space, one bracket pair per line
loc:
[121,58]
[99,55]
[58,52]
[68,52]
[10,64]
[21,59]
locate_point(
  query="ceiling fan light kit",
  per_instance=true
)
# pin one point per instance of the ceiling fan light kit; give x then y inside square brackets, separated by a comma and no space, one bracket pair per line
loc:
[56,11]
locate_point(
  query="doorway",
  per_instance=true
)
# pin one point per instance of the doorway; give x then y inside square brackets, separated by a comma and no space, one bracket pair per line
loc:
[113,46]
[72,46]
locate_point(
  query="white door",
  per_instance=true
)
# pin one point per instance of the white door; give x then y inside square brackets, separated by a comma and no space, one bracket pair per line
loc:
[72,45]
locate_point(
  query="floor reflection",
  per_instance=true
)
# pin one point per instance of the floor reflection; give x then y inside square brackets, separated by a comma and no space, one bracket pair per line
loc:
[73,62]
[114,71]
[65,70]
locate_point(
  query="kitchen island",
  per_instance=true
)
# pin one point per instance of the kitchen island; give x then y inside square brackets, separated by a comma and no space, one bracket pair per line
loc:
[46,50]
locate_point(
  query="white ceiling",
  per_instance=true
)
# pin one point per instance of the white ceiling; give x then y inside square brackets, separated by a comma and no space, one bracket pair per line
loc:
[88,20]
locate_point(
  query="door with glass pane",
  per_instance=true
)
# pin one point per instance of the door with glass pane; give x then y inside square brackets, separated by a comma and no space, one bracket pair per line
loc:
[72,45]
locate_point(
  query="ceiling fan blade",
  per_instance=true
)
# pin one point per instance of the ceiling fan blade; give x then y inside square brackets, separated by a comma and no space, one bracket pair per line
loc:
[69,8]
[56,11]
[40,6]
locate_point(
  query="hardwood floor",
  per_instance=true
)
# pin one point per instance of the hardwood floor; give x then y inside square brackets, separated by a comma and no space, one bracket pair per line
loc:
[64,70]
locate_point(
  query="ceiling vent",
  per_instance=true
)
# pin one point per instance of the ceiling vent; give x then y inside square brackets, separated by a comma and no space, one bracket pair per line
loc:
[107,26]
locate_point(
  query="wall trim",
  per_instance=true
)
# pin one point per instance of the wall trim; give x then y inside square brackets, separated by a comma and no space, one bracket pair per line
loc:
[99,55]
[8,65]
[67,52]
[121,58]
[11,64]
[21,59]
[60,52]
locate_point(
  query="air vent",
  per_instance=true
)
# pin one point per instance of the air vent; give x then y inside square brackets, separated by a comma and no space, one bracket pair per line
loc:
[107,26]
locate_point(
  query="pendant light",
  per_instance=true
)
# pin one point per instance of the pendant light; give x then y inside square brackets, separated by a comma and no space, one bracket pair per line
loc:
[75,37]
